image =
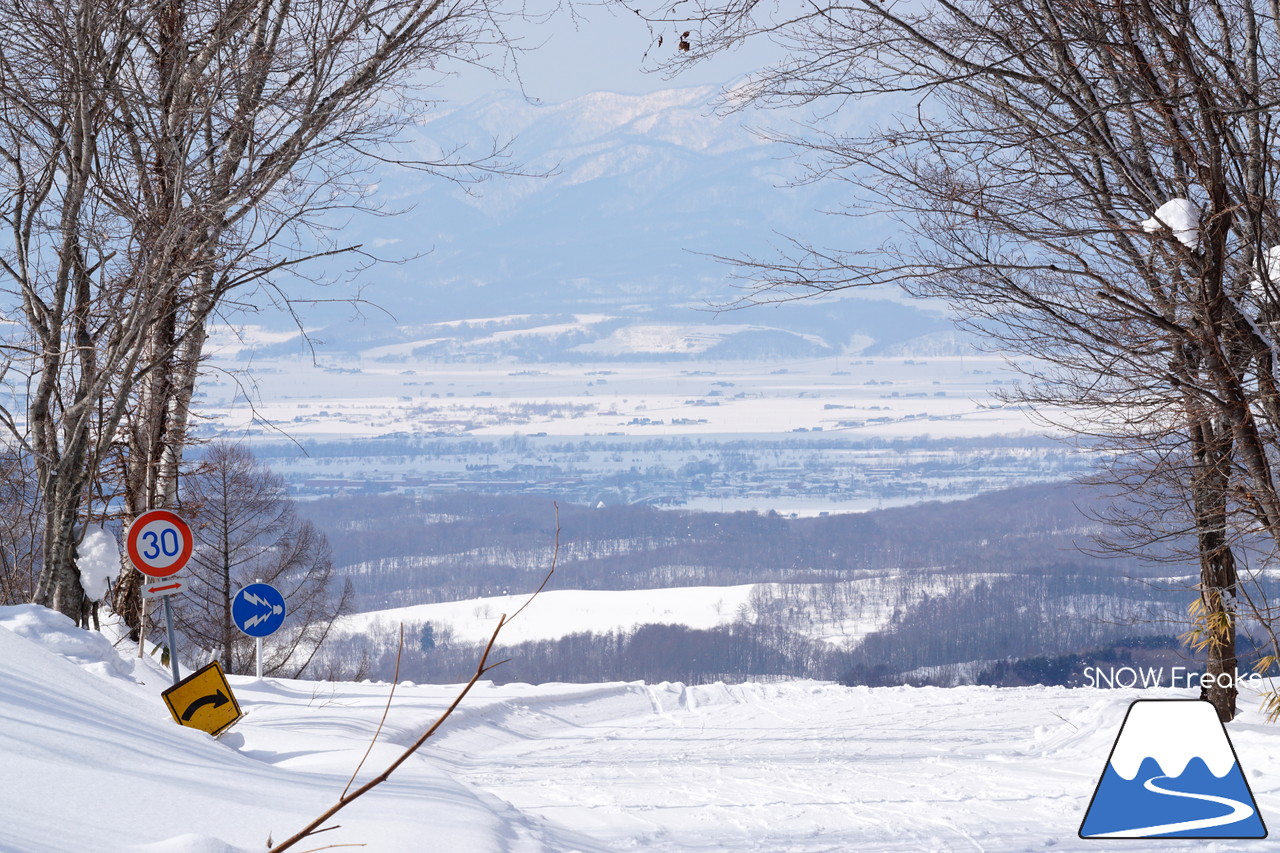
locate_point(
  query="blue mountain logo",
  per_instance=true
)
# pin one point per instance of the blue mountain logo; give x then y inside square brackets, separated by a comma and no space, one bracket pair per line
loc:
[1172,773]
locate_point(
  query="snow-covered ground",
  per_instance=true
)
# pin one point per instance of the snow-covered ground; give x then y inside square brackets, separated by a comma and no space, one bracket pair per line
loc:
[367,396]
[862,606]
[92,761]
[561,612]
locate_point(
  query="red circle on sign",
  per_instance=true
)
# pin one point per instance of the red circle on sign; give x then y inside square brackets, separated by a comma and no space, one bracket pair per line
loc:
[159,543]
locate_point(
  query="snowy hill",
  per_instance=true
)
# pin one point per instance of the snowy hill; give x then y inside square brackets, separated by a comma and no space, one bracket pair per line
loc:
[94,763]
[878,598]
[99,765]
[567,611]
[836,615]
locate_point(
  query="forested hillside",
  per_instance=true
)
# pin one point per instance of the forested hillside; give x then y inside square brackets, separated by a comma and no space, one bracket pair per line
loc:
[935,593]
[401,550]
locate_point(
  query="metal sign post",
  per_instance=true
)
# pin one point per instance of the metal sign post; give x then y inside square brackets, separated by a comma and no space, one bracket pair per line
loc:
[258,610]
[142,629]
[173,644]
[159,543]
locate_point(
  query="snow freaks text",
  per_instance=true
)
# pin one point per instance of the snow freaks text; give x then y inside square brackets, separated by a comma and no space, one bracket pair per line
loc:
[1159,676]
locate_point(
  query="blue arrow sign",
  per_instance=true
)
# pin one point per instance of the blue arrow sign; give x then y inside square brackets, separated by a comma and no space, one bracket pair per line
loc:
[258,610]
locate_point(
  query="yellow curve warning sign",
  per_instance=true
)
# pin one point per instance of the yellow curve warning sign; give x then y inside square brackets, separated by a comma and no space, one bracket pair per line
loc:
[203,700]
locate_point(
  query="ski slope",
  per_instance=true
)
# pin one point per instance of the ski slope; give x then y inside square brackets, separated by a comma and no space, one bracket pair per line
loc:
[93,762]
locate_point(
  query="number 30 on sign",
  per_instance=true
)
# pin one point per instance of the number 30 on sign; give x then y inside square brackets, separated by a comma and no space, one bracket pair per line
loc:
[159,543]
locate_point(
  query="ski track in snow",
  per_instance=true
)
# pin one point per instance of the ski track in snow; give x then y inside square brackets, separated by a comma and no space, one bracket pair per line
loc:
[92,762]
[797,767]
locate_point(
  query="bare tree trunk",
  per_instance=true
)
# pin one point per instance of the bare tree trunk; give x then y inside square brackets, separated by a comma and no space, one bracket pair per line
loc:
[1216,624]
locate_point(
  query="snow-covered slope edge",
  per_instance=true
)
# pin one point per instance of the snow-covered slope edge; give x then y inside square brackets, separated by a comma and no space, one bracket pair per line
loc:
[92,762]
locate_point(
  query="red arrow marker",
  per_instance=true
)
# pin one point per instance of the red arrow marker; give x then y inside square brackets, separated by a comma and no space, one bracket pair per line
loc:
[162,589]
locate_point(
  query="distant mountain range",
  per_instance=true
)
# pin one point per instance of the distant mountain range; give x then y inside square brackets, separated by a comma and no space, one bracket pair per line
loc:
[609,255]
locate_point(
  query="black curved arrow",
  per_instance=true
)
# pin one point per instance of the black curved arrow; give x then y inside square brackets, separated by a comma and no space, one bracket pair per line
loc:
[217,700]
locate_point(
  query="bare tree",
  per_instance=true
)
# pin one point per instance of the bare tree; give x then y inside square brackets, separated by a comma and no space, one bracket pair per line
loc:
[1090,183]
[156,157]
[246,530]
[78,326]
[284,119]
[19,528]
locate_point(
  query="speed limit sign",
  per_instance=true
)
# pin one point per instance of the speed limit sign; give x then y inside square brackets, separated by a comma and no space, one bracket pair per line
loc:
[159,543]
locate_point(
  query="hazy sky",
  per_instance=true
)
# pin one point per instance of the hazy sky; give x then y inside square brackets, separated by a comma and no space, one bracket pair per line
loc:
[597,49]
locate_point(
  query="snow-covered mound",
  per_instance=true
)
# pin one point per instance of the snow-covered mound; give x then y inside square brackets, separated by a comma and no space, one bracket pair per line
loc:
[92,761]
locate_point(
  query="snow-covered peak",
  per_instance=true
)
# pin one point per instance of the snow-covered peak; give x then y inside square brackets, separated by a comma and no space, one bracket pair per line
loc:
[668,141]
[682,116]
[1172,733]
[1181,216]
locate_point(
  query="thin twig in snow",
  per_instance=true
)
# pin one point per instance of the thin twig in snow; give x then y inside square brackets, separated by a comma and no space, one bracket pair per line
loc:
[483,666]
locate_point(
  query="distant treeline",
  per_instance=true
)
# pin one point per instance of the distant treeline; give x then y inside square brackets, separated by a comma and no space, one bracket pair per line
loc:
[995,589]
[1001,629]
[403,550]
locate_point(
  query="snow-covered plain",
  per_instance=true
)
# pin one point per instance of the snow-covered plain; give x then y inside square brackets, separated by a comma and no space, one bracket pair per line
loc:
[93,762]
[561,612]
[368,396]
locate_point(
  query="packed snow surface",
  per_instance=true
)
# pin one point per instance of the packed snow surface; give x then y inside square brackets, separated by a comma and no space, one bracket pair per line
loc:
[94,762]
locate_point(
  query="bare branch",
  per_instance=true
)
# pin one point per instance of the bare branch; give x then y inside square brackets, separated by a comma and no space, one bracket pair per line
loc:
[483,666]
